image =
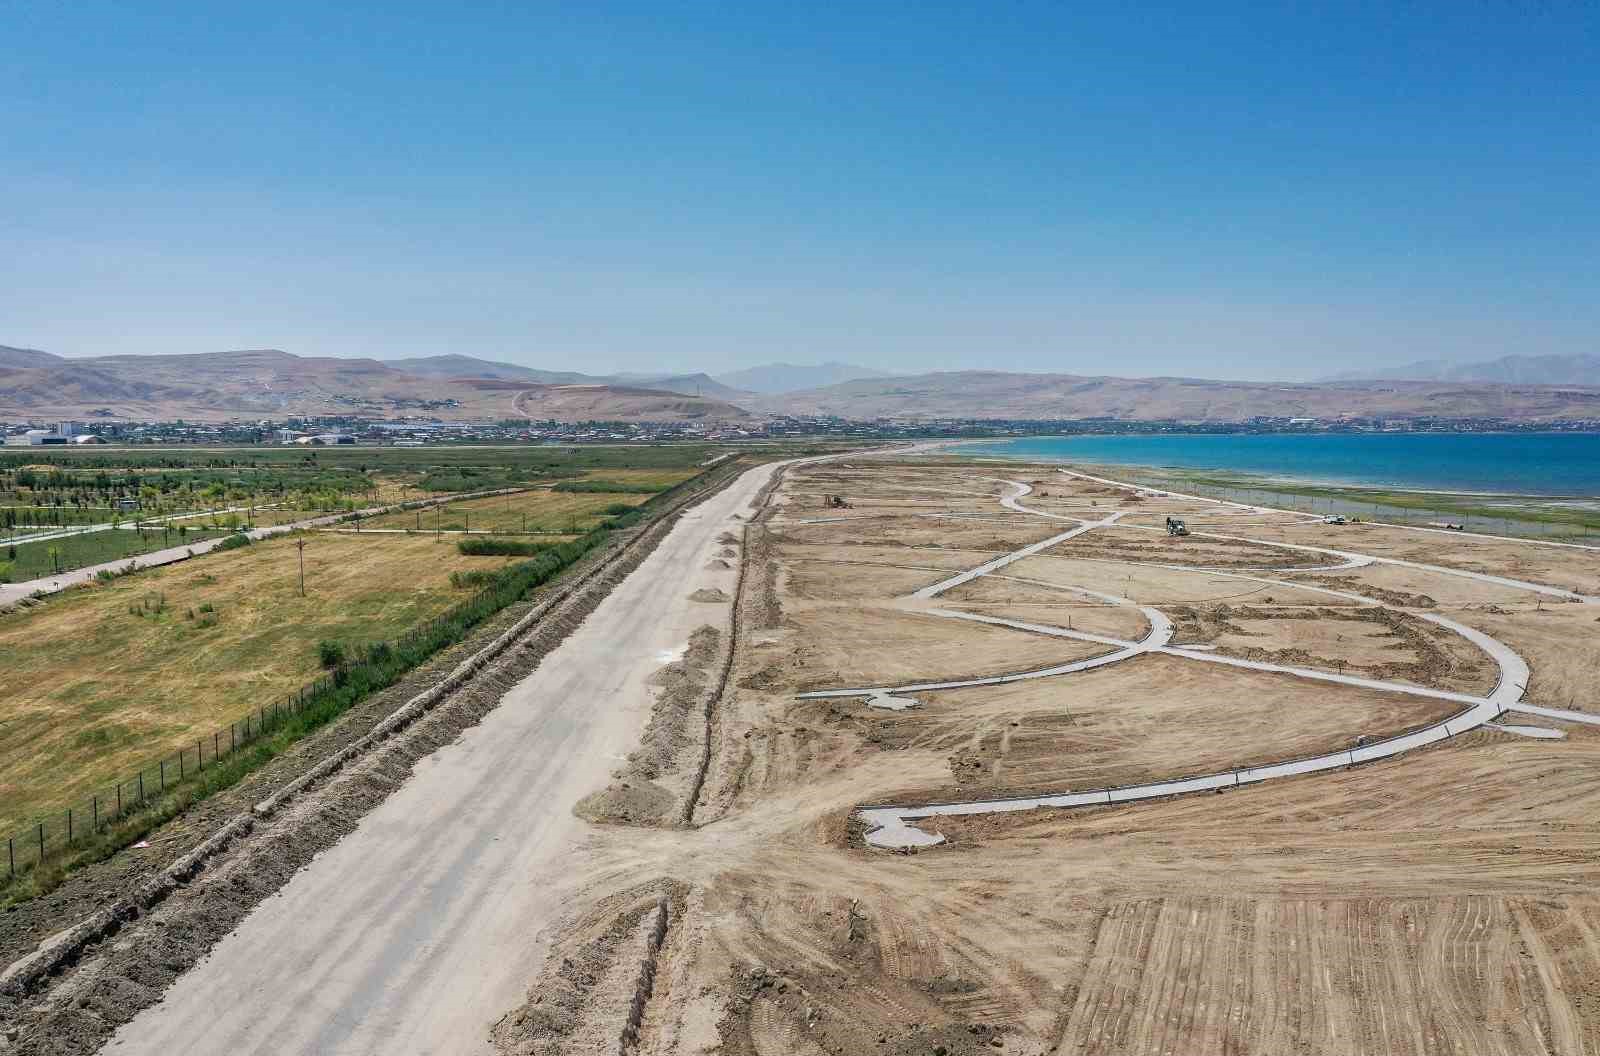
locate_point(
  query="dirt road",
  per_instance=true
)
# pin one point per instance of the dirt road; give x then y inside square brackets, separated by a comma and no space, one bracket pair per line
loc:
[419,929]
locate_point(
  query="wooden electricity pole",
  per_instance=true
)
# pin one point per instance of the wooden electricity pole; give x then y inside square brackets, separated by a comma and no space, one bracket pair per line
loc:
[300,544]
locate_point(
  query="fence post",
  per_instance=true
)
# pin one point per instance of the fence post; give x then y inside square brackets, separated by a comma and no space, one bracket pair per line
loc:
[180,764]
[119,799]
[163,775]
[96,801]
[11,853]
[41,843]
[69,826]
[199,754]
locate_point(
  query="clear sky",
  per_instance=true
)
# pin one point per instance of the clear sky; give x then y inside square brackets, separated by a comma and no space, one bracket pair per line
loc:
[1238,190]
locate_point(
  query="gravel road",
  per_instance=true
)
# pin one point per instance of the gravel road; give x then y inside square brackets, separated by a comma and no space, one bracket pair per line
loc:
[421,927]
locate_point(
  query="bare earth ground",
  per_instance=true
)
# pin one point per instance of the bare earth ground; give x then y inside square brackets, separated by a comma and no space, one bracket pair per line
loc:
[1439,901]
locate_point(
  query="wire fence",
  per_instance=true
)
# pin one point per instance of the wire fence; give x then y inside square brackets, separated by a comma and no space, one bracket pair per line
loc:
[87,820]
[111,817]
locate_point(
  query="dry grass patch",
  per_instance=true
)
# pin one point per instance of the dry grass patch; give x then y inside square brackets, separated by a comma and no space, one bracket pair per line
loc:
[540,511]
[101,679]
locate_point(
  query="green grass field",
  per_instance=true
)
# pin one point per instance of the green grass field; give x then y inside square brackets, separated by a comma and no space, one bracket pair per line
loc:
[24,561]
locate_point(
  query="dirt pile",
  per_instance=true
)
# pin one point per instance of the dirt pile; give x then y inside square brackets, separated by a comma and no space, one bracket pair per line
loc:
[651,787]
[767,1007]
[581,1001]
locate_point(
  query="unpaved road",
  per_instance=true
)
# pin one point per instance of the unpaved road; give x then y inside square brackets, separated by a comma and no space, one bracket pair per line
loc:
[418,930]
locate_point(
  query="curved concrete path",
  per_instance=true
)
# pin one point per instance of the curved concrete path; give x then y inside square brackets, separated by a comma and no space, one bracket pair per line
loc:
[894,826]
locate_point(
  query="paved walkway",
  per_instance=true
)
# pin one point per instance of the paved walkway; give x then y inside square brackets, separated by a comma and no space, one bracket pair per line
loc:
[895,826]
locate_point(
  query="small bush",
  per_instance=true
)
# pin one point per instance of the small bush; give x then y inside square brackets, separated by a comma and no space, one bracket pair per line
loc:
[330,653]
[476,578]
[479,546]
[234,541]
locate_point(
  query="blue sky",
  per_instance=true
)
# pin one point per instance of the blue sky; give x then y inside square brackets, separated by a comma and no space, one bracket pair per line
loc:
[1263,191]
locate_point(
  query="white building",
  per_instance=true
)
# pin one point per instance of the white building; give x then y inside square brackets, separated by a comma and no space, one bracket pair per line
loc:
[35,438]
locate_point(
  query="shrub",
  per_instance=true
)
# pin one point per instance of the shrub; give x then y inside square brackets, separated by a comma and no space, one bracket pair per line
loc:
[330,653]
[477,577]
[234,541]
[479,546]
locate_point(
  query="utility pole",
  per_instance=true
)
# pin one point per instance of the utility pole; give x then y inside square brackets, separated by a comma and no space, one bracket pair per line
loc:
[300,544]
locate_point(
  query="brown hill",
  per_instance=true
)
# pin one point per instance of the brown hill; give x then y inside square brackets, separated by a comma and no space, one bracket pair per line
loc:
[266,383]
[582,403]
[995,394]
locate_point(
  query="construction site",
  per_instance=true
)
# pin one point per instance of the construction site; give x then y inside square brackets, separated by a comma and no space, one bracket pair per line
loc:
[908,754]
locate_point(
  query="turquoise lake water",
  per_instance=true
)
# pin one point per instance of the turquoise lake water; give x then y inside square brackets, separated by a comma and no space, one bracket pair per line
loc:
[1566,464]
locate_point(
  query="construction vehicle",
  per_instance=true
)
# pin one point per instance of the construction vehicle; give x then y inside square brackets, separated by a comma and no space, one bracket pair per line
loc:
[836,502]
[1176,527]
[1333,518]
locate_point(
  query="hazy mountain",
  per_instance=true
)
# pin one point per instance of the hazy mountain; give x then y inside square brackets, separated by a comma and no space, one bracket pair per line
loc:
[791,377]
[689,384]
[267,383]
[623,403]
[995,394]
[459,366]
[26,357]
[1507,370]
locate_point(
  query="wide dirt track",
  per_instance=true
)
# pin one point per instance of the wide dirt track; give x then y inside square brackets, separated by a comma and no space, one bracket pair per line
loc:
[418,929]
[1378,863]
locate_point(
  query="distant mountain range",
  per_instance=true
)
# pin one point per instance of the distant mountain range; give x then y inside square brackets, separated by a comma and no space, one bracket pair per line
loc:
[769,378]
[458,366]
[26,357]
[1507,370]
[996,394]
[792,377]
[266,383]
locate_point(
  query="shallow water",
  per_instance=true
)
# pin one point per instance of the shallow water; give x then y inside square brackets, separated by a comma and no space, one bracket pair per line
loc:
[1566,464]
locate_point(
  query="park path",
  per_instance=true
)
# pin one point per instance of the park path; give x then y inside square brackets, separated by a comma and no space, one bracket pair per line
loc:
[895,826]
